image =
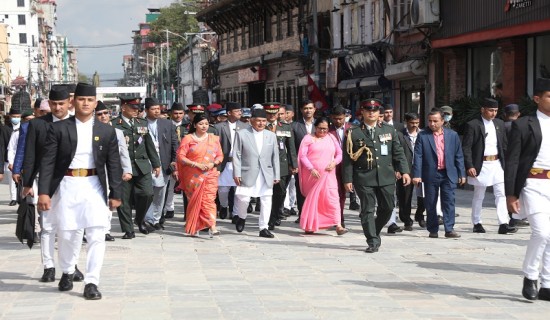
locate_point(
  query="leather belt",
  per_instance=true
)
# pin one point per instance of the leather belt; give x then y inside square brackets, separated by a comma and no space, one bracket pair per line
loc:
[80,172]
[539,173]
[490,158]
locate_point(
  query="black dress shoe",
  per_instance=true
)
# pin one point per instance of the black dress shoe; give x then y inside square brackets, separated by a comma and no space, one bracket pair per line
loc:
[157,226]
[264,233]
[297,220]
[239,225]
[544,294]
[249,209]
[143,229]
[408,228]
[270,227]
[451,234]
[293,212]
[278,222]
[422,224]
[151,227]
[234,219]
[77,275]
[12,203]
[354,206]
[109,237]
[286,212]
[372,249]
[84,239]
[48,275]
[129,235]
[529,289]
[505,228]
[91,292]
[66,282]
[169,214]
[433,235]
[223,213]
[393,228]
[478,228]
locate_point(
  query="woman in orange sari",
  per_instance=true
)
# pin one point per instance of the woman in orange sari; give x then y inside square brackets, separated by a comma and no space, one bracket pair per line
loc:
[198,155]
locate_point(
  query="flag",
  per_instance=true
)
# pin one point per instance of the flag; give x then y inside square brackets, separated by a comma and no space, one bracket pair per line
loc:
[316,95]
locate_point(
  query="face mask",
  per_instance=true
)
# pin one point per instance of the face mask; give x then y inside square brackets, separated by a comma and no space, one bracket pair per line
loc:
[447,118]
[347,119]
[15,121]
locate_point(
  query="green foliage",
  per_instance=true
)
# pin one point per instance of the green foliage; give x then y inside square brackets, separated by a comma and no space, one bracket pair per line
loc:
[464,110]
[176,19]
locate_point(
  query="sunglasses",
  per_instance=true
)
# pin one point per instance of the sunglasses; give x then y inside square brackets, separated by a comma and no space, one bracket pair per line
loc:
[102,113]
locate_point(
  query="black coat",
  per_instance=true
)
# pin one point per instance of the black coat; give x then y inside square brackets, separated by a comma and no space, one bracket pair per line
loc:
[473,143]
[523,149]
[35,141]
[62,142]
[300,131]
[168,143]
[224,132]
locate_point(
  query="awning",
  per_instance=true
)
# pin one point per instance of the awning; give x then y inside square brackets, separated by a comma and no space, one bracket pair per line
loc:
[350,84]
[407,69]
[378,83]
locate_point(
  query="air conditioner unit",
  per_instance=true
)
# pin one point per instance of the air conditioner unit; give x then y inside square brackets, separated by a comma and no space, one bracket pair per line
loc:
[424,12]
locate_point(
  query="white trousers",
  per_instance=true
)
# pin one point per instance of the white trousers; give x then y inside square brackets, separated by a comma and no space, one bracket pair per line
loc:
[47,241]
[223,195]
[538,249]
[107,229]
[290,199]
[154,213]
[241,204]
[11,183]
[70,242]
[500,202]
[169,206]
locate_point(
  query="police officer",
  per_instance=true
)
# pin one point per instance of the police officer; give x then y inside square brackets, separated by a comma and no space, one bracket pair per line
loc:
[371,151]
[137,192]
[288,161]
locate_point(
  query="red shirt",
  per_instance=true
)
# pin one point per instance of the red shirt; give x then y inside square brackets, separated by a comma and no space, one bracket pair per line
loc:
[440,150]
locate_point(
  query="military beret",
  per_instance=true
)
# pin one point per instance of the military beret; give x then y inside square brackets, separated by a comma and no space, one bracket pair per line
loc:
[271,107]
[371,104]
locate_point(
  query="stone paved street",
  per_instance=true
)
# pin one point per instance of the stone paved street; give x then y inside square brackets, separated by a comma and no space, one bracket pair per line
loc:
[167,275]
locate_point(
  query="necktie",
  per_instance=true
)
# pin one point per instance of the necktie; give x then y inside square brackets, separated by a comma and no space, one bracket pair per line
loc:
[371,132]
[271,127]
[178,132]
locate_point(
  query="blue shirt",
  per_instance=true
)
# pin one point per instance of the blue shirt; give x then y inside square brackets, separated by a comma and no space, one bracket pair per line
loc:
[20,153]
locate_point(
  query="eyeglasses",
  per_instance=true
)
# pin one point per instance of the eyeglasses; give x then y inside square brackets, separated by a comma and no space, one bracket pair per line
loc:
[102,113]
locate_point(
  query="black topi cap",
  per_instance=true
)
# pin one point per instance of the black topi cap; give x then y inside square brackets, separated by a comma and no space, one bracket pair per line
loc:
[58,93]
[489,103]
[151,102]
[177,106]
[100,106]
[259,113]
[85,90]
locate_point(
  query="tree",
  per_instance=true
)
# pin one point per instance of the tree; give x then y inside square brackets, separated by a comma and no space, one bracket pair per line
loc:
[84,78]
[178,18]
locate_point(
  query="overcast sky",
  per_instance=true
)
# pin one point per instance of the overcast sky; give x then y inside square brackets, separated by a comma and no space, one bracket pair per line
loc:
[100,22]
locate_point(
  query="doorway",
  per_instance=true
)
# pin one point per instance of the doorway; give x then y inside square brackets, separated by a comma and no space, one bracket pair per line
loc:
[256,93]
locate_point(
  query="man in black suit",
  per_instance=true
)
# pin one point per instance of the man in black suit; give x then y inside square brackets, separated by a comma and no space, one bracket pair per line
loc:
[35,147]
[407,138]
[81,153]
[338,129]
[163,134]
[484,146]
[527,181]
[227,130]
[177,115]
[300,128]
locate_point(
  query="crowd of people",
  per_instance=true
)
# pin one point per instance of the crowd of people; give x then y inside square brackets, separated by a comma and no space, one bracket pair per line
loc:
[224,157]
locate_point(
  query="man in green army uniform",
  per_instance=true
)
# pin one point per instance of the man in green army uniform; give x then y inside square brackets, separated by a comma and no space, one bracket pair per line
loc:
[371,150]
[137,193]
[288,160]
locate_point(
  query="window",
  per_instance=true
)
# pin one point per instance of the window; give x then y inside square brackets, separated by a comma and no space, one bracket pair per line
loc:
[401,16]
[542,59]
[486,72]
[375,18]
[235,40]
[228,46]
[279,26]
[256,34]
[21,19]
[20,3]
[243,38]
[268,33]
[289,24]
[23,38]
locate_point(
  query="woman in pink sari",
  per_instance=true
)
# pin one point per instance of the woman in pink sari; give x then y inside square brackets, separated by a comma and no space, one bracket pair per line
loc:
[318,155]
[197,157]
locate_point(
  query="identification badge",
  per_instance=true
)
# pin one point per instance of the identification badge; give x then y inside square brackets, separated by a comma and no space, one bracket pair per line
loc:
[140,140]
[384,149]
[281,145]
